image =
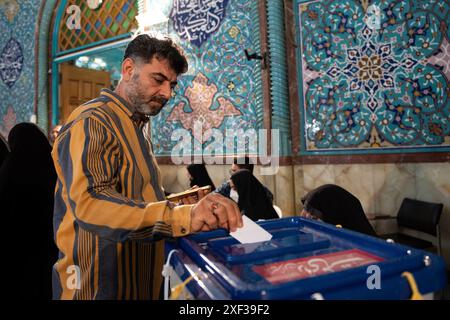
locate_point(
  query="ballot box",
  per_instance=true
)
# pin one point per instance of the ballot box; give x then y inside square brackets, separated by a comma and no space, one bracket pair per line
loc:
[305,259]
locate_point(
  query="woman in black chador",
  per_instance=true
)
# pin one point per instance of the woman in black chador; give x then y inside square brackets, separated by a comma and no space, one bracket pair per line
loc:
[198,176]
[27,186]
[252,197]
[335,205]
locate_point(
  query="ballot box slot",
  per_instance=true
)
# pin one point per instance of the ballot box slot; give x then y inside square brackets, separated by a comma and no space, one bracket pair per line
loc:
[268,225]
[234,252]
[276,234]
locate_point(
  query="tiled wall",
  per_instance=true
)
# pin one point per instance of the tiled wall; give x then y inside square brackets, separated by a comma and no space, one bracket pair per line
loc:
[373,76]
[222,89]
[382,187]
[17,93]
[43,73]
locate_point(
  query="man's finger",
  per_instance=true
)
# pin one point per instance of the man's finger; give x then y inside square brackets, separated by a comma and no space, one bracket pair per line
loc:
[233,213]
[221,214]
[211,220]
[231,206]
[234,217]
[205,228]
[224,225]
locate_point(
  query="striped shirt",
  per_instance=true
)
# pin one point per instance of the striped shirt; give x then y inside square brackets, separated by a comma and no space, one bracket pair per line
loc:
[110,208]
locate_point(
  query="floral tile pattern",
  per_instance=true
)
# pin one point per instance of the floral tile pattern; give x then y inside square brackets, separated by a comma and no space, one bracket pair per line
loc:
[11,62]
[374,83]
[220,88]
[17,62]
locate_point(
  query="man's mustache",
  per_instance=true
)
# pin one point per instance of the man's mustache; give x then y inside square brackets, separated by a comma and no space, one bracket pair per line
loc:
[160,100]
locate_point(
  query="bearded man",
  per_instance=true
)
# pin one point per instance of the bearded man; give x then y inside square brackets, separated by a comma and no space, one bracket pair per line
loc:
[110,212]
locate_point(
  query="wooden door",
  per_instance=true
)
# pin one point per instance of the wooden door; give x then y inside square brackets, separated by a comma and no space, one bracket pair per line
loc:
[79,85]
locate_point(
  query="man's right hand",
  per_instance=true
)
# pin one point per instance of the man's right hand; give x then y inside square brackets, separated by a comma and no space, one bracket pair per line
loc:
[215,211]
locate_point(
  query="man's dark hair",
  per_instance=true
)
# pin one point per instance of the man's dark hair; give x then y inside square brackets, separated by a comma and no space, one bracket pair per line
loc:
[244,163]
[145,48]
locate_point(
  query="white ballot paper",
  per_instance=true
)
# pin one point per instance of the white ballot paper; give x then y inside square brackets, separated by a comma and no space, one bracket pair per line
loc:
[251,232]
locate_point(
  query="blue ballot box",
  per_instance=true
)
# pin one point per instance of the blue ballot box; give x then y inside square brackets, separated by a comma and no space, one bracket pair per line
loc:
[305,259]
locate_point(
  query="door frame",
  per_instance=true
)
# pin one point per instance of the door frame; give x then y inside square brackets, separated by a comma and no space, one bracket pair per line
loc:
[56,58]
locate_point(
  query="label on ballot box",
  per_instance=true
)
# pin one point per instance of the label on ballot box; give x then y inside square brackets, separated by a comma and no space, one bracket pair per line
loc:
[302,258]
[290,270]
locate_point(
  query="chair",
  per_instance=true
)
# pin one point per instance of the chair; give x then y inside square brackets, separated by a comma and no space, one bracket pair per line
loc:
[419,216]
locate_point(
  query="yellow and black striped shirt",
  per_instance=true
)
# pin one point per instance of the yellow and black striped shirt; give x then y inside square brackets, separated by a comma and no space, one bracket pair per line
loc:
[110,209]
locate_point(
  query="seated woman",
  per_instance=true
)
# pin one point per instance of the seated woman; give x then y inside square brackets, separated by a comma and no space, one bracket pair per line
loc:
[335,205]
[198,176]
[251,196]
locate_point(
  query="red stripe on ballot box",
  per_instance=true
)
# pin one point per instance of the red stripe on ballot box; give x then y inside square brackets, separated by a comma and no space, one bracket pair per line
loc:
[295,269]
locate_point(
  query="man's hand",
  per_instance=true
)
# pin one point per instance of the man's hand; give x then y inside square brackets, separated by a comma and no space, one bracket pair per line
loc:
[215,211]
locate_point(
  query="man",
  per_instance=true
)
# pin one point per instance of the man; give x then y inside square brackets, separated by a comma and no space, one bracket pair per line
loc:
[239,164]
[110,208]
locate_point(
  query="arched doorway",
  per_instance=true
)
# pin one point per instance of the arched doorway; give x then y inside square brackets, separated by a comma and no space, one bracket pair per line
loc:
[86,48]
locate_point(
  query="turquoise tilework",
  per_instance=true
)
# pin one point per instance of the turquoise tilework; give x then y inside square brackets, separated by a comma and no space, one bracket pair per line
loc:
[374,79]
[17,101]
[219,70]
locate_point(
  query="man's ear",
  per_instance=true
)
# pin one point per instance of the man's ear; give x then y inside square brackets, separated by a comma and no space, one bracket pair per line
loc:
[128,66]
